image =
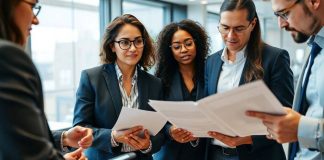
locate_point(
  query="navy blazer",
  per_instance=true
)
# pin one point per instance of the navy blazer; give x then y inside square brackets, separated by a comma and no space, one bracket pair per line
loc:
[278,77]
[24,132]
[173,150]
[99,103]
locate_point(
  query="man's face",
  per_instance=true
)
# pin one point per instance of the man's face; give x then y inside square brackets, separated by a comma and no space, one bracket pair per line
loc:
[235,29]
[295,17]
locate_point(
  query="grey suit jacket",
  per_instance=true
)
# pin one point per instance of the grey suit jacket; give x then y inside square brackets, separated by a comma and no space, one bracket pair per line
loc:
[24,132]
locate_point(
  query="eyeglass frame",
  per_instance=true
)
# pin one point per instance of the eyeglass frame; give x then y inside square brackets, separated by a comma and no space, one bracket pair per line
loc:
[235,29]
[131,43]
[283,13]
[35,6]
[183,44]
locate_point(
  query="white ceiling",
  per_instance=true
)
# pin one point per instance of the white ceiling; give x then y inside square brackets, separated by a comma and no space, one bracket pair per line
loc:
[200,1]
[263,6]
[194,1]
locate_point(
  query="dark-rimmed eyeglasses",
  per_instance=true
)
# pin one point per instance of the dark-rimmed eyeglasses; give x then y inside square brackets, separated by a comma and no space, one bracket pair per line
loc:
[188,44]
[238,30]
[284,13]
[125,44]
[35,6]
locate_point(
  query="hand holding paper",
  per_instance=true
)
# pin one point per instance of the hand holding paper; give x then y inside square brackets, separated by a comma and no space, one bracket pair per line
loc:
[223,112]
[150,120]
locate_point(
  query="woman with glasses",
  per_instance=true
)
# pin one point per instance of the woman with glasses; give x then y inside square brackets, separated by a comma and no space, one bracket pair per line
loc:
[182,51]
[244,59]
[121,81]
[24,132]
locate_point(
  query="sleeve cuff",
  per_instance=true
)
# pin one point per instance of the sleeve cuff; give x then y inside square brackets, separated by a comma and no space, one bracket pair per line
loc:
[63,148]
[113,142]
[308,132]
[148,149]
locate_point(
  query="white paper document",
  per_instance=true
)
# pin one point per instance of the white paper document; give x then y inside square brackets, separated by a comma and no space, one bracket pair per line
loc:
[150,120]
[223,112]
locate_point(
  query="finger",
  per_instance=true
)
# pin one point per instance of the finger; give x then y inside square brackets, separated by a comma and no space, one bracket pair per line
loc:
[133,129]
[263,116]
[186,137]
[182,133]
[176,131]
[77,153]
[87,139]
[146,134]
[133,142]
[83,157]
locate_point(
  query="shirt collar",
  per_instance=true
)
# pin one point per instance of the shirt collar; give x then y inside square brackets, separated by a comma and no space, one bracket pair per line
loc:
[120,74]
[239,56]
[318,38]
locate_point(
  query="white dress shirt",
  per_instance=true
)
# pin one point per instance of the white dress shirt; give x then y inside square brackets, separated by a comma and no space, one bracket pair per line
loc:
[230,76]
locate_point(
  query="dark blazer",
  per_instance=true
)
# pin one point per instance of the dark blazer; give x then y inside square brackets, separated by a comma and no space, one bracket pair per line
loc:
[173,150]
[278,77]
[24,132]
[99,103]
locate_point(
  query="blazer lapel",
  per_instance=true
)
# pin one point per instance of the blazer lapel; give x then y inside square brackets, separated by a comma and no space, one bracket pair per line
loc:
[200,90]
[176,90]
[242,79]
[142,89]
[110,76]
[217,67]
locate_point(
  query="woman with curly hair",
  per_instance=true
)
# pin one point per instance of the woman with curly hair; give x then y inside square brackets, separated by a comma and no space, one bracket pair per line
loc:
[121,81]
[182,49]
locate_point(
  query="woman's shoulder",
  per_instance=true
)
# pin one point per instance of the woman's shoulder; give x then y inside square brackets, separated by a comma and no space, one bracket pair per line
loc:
[149,77]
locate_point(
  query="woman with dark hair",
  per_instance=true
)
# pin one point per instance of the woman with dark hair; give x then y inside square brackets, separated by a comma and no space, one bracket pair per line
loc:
[119,82]
[24,132]
[182,51]
[244,59]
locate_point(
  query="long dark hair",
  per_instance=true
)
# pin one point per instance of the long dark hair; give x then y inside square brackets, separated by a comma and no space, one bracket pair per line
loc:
[8,27]
[255,45]
[112,31]
[167,65]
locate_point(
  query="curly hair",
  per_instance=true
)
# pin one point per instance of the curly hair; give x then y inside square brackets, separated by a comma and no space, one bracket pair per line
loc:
[167,66]
[108,56]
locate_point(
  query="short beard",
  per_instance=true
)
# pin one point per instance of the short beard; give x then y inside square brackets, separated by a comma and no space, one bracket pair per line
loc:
[300,37]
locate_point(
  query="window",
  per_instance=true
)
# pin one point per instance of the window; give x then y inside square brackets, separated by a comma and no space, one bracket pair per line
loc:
[152,15]
[65,43]
[216,42]
[280,38]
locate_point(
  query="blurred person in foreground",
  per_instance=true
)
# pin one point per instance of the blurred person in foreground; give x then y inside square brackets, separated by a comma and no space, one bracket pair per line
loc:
[24,132]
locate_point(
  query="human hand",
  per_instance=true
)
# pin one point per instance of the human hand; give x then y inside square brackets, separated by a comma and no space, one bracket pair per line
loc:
[122,136]
[181,135]
[139,143]
[231,141]
[78,137]
[76,155]
[282,128]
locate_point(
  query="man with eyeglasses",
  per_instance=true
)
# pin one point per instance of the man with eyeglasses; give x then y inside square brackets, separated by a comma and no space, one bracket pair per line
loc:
[302,126]
[244,59]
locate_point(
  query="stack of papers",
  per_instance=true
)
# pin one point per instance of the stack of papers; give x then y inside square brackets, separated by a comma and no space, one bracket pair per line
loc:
[223,112]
